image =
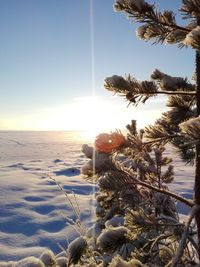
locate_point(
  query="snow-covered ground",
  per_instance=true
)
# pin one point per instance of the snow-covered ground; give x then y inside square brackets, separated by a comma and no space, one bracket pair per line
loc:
[34,213]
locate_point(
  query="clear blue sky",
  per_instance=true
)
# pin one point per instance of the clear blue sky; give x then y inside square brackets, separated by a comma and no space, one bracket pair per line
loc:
[45,57]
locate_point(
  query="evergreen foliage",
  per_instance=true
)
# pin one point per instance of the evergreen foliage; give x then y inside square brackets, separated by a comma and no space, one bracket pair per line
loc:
[137,223]
[136,217]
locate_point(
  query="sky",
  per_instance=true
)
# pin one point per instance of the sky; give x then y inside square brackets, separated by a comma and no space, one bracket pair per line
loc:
[55,55]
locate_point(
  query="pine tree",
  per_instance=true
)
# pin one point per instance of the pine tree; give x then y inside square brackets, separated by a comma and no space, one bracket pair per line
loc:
[177,125]
[137,223]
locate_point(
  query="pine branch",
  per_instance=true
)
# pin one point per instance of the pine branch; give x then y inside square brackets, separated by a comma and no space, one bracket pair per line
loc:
[160,140]
[139,91]
[177,93]
[182,102]
[188,202]
[182,243]
[146,13]
[195,245]
[169,129]
[160,26]
[191,9]
[160,132]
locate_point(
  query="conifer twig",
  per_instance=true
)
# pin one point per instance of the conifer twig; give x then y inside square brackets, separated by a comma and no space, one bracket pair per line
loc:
[161,139]
[152,18]
[171,93]
[182,243]
[188,202]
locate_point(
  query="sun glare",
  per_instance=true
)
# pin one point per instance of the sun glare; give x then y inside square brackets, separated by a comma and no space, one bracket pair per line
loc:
[90,115]
[89,135]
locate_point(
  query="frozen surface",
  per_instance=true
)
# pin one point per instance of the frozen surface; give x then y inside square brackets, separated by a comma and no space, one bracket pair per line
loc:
[34,213]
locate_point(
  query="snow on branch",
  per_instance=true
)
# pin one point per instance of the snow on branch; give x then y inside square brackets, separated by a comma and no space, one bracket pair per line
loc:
[159,26]
[140,91]
[134,91]
[169,83]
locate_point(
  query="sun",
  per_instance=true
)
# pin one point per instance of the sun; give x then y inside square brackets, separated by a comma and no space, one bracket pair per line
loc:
[89,135]
[92,115]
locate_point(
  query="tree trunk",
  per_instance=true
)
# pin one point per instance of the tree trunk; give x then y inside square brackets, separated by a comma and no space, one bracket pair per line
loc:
[197,160]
